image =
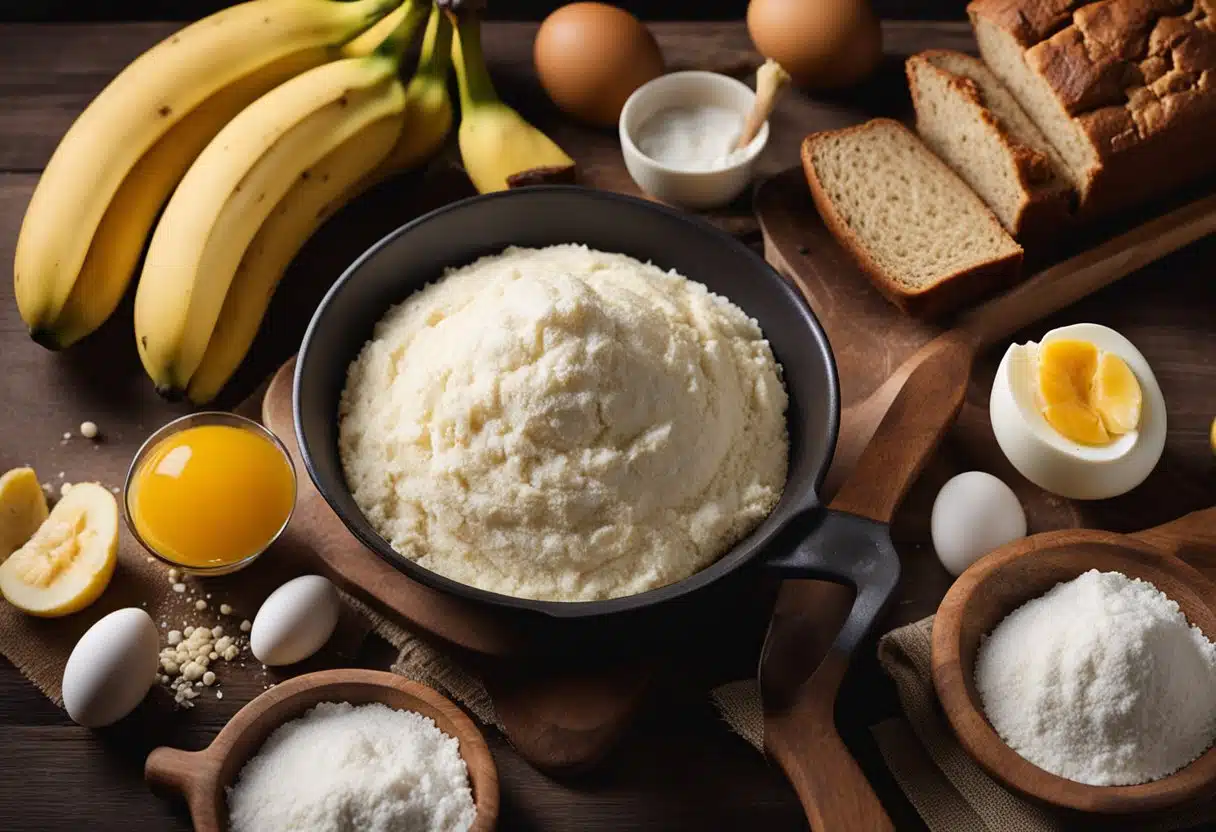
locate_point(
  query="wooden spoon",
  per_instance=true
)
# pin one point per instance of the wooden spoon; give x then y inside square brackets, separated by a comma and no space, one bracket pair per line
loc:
[1017,572]
[770,80]
[201,776]
[798,690]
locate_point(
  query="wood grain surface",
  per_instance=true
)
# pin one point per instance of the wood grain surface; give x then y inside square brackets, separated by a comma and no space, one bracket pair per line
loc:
[678,767]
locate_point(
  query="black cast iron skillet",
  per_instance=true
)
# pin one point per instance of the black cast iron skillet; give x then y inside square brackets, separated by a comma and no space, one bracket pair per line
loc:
[459,233]
[799,540]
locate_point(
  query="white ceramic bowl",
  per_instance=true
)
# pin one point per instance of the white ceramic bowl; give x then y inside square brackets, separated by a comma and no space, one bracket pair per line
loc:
[689,189]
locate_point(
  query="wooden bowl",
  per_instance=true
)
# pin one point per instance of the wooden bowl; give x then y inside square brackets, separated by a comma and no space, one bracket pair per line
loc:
[1013,575]
[201,776]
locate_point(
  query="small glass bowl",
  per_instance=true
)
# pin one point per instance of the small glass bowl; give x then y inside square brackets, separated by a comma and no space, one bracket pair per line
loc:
[193,420]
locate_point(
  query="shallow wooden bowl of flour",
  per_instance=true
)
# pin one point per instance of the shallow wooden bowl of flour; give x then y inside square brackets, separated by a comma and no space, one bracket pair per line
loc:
[202,776]
[1000,583]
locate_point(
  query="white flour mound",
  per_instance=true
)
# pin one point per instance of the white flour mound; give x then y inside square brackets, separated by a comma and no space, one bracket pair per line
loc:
[1102,681]
[342,768]
[564,424]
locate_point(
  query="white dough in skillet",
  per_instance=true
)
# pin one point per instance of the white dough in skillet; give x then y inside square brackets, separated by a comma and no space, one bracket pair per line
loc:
[564,424]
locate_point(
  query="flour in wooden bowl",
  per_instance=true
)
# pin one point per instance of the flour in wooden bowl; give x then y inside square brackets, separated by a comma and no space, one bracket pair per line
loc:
[564,424]
[354,768]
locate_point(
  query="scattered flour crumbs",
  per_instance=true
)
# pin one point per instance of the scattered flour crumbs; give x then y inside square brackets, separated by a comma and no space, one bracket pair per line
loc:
[342,768]
[565,424]
[1102,681]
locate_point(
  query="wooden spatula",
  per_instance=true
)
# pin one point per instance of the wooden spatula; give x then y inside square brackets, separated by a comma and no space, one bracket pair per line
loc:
[799,690]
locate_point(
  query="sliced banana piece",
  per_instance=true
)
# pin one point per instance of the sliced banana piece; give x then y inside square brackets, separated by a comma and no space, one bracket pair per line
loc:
[70,559]
[22,509]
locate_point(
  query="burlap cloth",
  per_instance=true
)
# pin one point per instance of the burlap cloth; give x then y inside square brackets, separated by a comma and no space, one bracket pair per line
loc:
[40,647]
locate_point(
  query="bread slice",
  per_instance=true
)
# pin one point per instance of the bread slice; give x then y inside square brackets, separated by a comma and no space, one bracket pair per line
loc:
[916,229]
[1005,54]
[968,118]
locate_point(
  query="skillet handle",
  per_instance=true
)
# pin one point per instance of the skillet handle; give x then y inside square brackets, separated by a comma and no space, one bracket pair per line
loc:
[799,710]
[842,548]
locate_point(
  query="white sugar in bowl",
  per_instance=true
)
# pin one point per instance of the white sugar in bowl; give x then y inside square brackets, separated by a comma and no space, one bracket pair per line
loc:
[690,120]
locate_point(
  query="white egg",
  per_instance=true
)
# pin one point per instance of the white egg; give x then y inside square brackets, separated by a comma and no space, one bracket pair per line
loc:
[973,514]
[111,668]
[1054,462]
[295,621]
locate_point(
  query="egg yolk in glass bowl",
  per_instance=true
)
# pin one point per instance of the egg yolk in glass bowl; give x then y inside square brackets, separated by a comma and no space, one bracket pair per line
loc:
[211,496]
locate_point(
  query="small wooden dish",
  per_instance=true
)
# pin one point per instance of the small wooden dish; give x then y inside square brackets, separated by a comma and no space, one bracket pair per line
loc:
[1026,569]
[202,776]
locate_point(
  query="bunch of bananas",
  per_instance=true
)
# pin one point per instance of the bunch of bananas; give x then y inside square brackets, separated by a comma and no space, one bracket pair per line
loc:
[228,144]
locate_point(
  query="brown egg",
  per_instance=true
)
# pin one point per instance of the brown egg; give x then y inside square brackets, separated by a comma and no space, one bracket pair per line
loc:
[590,57]
[824,44]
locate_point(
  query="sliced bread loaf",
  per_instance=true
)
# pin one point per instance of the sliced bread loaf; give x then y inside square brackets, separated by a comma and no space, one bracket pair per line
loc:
[916,229]
[968,118]
[1123,89]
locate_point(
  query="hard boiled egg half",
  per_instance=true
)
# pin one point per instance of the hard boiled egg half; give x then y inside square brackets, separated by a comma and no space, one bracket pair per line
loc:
[1079,413]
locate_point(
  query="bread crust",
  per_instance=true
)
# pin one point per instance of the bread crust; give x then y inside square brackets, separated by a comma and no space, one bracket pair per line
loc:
[1046,199]
[1138,78]
[935,301]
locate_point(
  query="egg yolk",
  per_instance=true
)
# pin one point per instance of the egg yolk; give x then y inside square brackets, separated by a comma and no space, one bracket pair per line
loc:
[212,495]
[1089,396]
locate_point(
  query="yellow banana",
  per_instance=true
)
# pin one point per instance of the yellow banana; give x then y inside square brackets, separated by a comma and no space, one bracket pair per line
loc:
[235,183]
[306,207]
[119,239]
[337,179]
[499,148]
[369,41]
[428,117]
[252,46]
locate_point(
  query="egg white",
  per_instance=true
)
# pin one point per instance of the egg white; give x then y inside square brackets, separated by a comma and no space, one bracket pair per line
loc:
[1054,462]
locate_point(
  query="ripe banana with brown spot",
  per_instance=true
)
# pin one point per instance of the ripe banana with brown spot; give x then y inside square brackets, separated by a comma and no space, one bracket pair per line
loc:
[234,185]
[99,194]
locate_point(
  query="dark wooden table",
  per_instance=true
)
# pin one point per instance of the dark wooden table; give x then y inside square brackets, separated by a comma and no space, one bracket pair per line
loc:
[679,768]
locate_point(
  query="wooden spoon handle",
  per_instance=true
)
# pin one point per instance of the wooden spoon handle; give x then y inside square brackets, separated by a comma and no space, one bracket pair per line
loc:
[830,785]
[800,728]
[1066,282]
[172,769]
[192,774]
[769,81]
[910,431]
[1191,537]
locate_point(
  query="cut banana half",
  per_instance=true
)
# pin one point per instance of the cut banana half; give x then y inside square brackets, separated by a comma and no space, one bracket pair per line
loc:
[70,559]
[22,509]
